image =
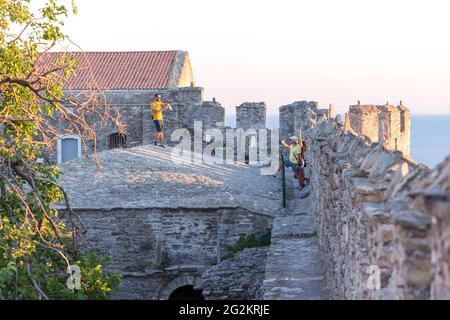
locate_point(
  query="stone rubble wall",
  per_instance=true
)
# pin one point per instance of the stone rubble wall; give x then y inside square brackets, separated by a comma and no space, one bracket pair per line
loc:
[139,239]
[212,114]
[364,120]
[136,238]
[298,115]
[376,209]
[383,123]
[133,106]
[237,278]
[251,115]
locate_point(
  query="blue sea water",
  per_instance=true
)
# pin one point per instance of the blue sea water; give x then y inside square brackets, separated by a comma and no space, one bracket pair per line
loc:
[430,139]
[430,136]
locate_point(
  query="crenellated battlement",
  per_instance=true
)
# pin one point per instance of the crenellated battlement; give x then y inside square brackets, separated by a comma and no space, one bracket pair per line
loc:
[378,213]
[388,124]
[251,115]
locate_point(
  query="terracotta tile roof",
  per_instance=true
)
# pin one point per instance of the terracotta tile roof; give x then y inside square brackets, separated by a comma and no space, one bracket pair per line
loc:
[119,70]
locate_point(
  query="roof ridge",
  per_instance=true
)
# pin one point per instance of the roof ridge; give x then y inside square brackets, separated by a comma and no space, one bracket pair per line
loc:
[115,70]
[125,51]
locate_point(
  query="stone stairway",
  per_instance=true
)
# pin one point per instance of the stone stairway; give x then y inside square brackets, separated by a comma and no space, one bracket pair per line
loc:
[294,270]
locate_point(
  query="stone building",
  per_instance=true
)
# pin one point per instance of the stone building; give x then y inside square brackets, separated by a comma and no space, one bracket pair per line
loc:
[167,224]
[386,123]
[127,82]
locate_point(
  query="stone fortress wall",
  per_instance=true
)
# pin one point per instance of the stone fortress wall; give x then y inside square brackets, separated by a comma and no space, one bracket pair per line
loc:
[376,209]
[251,123]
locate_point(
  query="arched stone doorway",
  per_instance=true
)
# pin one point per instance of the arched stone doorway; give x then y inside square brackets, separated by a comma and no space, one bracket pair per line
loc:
[182,287]
[186,293]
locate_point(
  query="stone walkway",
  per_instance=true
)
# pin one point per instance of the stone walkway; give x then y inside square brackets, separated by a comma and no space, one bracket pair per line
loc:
[294,270]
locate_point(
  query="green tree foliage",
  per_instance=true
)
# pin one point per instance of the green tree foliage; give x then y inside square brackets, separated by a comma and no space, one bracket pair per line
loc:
[37,244]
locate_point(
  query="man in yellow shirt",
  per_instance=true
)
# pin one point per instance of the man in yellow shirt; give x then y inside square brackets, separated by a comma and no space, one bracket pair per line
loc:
[157,109]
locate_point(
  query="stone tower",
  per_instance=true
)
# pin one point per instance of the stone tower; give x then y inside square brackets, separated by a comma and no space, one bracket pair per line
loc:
[251,115]
[395,128]
[330,114]
[296,116]
[404,136]
[364,120]
[250,119]
[384,124]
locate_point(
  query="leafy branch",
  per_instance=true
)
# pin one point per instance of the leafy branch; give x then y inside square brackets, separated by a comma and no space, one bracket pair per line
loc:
[36,243]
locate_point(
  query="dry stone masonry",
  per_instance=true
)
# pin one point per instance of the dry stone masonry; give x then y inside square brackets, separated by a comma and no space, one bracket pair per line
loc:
[298,115]
[240,277]
[164,222]
[251,115]
[386,124]
[379,211]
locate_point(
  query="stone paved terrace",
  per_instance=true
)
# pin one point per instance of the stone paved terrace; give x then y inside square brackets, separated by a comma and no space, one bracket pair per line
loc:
[294,269]
[146,177]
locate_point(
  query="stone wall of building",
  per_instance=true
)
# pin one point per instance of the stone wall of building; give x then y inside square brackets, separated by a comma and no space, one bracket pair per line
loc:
[182,75]
[151,247]
[378,211]
[238,278]
[133,106]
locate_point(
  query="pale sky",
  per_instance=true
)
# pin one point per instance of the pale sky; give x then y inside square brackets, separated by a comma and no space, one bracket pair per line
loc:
[287,50]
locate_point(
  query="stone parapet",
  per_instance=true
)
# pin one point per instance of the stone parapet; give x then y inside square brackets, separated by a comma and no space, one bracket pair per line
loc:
[376,210]
[298,115]
[251,115]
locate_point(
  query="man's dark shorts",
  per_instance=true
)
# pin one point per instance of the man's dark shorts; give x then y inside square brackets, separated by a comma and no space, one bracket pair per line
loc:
[159,124]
